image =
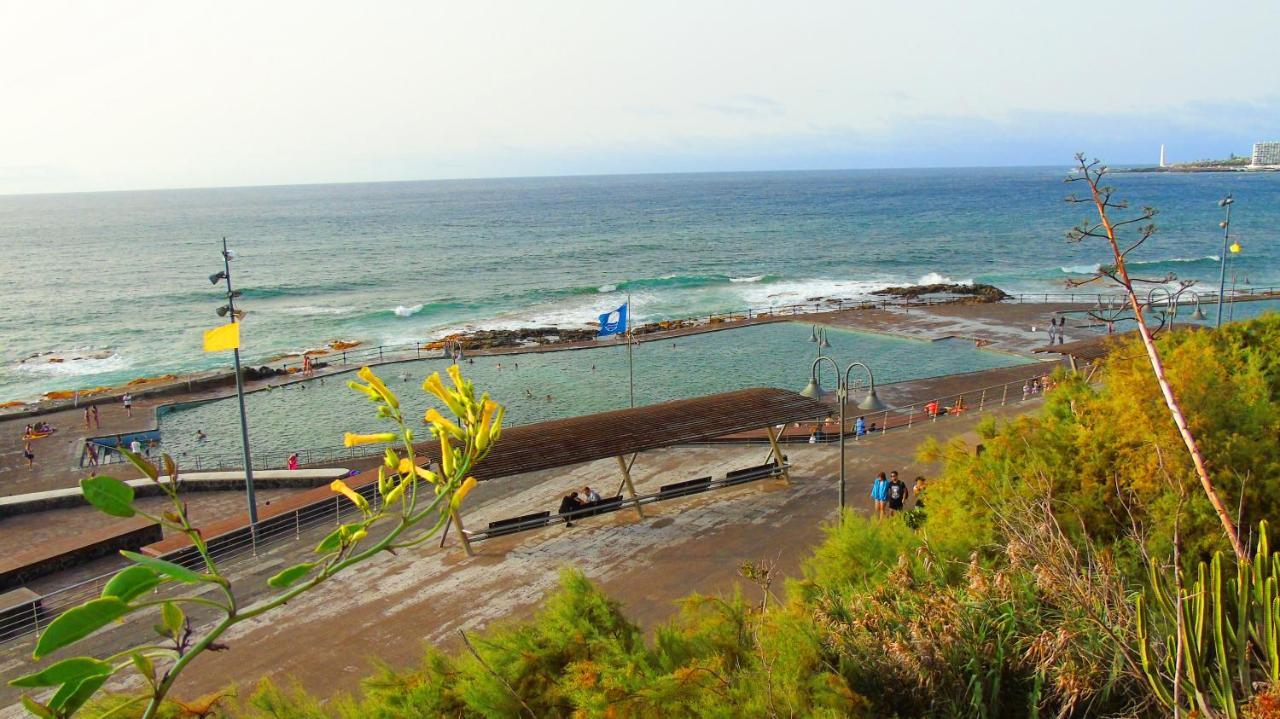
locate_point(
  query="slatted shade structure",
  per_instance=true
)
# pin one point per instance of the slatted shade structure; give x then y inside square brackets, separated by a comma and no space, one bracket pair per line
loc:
[565,442]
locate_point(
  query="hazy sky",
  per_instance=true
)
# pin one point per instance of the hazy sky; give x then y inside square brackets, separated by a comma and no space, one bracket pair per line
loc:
[120,94]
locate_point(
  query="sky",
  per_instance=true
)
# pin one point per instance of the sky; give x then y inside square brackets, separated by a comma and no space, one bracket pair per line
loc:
[130,94]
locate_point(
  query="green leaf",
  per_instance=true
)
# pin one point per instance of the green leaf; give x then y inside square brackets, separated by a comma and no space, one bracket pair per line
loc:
[291,575]
[330,543]
[131,582]
[67,670]
[172,616]
[109,495]
[169,569]
[67,700]
[145,666]
[144,465]
[35,708]
[79,622]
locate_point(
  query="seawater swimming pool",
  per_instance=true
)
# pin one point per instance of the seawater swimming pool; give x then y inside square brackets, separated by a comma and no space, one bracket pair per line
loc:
[1231,312]
[552,385]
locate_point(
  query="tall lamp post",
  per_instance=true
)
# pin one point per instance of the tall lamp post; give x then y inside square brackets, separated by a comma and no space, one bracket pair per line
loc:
[233,315]
[1226,202]
[871,403]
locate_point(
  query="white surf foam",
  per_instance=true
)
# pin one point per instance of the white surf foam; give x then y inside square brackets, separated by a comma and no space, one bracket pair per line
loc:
[402,311]
[315,310]
[603,289]
[757,278]
[1081,269]
[74,364]
[934,278]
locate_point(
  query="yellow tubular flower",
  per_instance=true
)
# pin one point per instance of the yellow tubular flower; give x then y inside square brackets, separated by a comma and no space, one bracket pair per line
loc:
[396,493]
[463,491]
[363,389]
[367,375]
[486,416]
[341,487]
[442,424]
[435,386]
[355,440]
[446,455]
[383,484]
[426,474]
[496,430]
[455,374]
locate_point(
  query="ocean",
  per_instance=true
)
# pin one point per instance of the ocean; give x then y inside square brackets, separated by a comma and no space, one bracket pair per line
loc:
[106,287]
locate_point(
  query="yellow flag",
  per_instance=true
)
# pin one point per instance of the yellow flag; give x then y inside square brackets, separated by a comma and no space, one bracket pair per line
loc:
[226,337]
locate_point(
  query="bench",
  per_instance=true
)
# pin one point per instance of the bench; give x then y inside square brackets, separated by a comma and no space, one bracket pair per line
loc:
[684,488]
[20,612]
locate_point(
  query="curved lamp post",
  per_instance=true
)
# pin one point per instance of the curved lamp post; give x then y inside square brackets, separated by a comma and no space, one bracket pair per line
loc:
[1171,303]
[871,403]
[1225,202]
[1198,314]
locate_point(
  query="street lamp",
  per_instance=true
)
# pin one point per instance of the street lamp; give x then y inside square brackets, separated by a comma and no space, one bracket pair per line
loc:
[1225,202]
[1171,303]
[229,310]
[1198,314]
[871,403]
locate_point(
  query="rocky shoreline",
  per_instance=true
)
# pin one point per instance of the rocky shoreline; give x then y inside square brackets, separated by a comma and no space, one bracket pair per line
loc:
[530,338]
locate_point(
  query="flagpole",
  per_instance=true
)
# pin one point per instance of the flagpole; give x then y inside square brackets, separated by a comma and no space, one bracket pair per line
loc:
[631,364]
[244,420]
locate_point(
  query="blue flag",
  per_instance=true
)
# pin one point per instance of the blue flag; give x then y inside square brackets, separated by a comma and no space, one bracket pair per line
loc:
[613,323]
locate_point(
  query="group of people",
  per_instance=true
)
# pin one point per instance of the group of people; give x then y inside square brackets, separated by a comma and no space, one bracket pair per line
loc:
[91,418]
[860,428]
[1035,386]
[890,494]
[1056,327]
[576,501]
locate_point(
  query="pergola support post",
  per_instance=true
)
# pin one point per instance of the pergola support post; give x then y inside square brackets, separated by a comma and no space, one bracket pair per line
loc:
[631,488]
[462,535]
[777,452]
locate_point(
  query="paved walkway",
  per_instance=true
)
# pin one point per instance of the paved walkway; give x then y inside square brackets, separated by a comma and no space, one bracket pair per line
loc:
[387,607]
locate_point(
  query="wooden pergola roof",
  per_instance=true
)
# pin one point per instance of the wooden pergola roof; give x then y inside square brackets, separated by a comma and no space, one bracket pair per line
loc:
[566,442]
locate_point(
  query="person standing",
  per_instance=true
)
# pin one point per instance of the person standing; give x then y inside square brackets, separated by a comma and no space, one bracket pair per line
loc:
[91,452]
[136,446]
[97,421]
[127,400]
[87,418]
[30,456]
[293,461]
[918,490]
[880,493]
[897,493]
[860,427]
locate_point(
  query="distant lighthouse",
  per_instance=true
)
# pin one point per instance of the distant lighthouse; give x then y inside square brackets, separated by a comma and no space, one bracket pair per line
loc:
[1162,156]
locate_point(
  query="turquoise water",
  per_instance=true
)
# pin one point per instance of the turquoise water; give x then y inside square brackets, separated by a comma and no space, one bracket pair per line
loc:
[115,284]
[1231,312]
[777,355]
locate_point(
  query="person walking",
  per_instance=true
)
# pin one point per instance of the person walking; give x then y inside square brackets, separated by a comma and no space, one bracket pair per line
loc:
[87,418]
[127,400]
[91,452]
[293,461]
[860,427]
[880,493]
[897,493]
[918,490]
[97,421]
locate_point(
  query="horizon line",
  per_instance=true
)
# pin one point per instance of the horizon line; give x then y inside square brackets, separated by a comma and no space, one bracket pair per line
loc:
[191,188]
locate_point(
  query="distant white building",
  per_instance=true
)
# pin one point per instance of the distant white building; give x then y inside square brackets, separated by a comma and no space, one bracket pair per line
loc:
[1265,153]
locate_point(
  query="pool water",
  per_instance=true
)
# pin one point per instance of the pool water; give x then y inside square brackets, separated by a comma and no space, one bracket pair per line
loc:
[1231,312]
[554,385]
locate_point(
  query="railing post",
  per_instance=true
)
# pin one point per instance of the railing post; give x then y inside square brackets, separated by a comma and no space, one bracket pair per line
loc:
[297,524]
[884,423]
[911,416]
[417,350]
[982,401]
[1005,394]
[379,353]
[344,357]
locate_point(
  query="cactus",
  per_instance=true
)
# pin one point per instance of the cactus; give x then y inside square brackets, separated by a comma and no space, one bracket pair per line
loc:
[1229,633]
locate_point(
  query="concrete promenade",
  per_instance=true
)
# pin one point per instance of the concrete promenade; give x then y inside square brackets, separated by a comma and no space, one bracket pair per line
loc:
[388,607]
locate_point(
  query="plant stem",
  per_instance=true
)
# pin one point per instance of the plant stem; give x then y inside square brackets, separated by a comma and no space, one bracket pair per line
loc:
[1157,368]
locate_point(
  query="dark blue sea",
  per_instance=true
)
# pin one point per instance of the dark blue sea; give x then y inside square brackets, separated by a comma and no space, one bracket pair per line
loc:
[115,285]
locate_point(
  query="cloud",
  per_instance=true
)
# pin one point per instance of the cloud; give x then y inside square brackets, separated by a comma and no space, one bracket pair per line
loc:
[751,106]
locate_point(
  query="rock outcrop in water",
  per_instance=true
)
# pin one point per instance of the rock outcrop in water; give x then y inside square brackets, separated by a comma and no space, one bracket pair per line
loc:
[975,292]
